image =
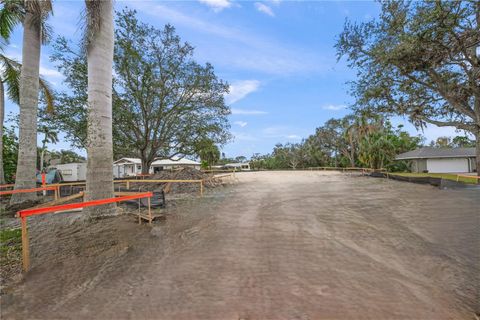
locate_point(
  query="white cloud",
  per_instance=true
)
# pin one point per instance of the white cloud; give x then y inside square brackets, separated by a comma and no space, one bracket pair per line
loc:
[240,89]
[217,5]
[175,17]
[264,8]
[280,132]
[334,107]
[48,72]
[241,123]
[240,48]
[248,112]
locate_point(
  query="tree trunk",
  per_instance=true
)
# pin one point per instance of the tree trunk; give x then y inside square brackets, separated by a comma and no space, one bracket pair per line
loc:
[29,83]
[477,154]
[146,165]
[99,132]
[336,160]
[41,159]
[2,114]
[352,153]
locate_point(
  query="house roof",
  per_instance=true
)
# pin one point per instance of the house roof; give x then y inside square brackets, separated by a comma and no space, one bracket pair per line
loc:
[429,153]
[128,160]
[174,162]
[160,162]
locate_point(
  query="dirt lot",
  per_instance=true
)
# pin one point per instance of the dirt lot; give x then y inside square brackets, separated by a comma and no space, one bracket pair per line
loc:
[277,245]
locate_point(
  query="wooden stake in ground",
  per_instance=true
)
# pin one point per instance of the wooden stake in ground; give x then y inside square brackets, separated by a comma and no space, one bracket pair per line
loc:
[25,245]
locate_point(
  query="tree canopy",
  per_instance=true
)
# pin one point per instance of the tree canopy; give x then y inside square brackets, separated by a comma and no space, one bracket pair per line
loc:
[208,152]
[419,60]
[10,154]
[163,101]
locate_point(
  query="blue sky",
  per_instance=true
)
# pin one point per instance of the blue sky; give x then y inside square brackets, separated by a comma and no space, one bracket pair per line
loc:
[278,57]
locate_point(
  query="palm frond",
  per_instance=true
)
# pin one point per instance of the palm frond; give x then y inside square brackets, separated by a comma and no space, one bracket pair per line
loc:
[47,91]
[10,15]
[11,76]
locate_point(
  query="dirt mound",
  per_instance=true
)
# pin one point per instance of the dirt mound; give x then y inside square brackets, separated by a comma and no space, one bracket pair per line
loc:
[181,174]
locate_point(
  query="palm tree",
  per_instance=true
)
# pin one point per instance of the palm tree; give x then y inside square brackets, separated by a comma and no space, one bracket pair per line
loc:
[33,14]
[8,20]
[50,136]
[99,44]
[10,15]
[2,115]
[10,85]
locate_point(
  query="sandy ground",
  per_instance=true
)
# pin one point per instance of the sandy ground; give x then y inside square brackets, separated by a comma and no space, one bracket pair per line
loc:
[277,245]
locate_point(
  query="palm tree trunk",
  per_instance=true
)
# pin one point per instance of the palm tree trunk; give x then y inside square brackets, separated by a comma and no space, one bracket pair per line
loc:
[2,115]
[29,83]
[42,154]
[99,133]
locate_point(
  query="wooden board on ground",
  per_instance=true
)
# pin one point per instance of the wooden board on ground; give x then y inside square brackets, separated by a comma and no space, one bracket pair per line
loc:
[125,193]
[167,188]
[59,201]
[146,217]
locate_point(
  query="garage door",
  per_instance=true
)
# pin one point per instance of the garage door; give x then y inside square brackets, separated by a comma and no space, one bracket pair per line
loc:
[447,165]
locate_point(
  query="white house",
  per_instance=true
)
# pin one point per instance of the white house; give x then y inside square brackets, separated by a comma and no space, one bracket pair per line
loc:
[441,160]
[238,166]
[175,162]
[129,167]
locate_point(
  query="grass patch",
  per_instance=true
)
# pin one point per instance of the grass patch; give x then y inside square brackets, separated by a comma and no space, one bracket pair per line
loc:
[448,176]
[10,254]
[10,242]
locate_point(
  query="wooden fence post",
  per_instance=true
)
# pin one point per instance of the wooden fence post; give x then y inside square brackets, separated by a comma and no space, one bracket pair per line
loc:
[44,183]
[149,211]
[25,246]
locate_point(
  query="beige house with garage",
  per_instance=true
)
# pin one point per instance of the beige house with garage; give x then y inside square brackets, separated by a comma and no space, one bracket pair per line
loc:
[441,160]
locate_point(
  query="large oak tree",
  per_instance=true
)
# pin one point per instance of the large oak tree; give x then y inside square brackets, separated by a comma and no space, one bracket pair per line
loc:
[163,101]
[420,60]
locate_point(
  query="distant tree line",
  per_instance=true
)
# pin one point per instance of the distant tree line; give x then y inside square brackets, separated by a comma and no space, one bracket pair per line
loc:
[352,141]
[455,142]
